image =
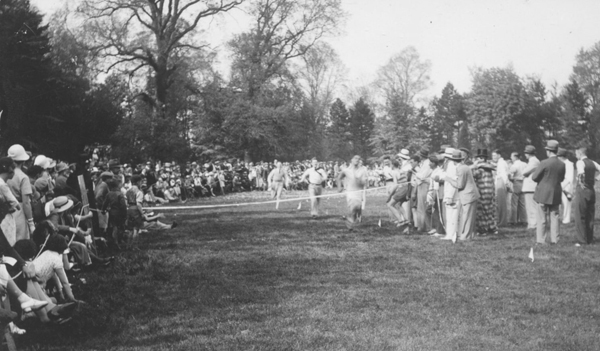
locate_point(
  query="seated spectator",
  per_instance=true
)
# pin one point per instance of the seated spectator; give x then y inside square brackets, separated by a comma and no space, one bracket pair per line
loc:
[48,266]
[151,222]
[60,213]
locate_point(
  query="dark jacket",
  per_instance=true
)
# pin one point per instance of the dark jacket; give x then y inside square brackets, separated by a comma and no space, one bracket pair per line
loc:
[549,174]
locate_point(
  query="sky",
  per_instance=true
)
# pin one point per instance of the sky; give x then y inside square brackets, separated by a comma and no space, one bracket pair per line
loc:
[537,37]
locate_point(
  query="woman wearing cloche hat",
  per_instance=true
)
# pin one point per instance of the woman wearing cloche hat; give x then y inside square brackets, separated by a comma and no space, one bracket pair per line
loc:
[21,188]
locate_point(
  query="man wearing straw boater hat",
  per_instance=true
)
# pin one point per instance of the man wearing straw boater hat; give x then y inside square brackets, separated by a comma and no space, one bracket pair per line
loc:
[467,194]
[549,175]
[450,197]
[422,175]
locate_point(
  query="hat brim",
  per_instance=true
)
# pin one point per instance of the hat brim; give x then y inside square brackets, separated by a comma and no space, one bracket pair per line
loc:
[64,207]
[404,157]
[551,149]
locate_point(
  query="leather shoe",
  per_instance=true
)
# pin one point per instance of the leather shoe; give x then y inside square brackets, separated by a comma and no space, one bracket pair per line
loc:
[62,311]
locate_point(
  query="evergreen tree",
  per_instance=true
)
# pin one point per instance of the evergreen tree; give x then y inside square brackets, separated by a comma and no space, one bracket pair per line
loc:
[339,137]
[362,121]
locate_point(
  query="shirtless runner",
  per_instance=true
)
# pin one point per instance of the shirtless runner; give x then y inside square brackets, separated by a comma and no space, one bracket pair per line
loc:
[353,179]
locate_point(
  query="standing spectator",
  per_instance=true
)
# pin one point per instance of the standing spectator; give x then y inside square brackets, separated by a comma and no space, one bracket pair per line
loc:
[422,177]
[549,175]
[501,188]
[116,206]
[518,211]
[585,198]
[21,188]
[63,171]
[567,185]
[467,194]
[135,216]
[221,178]
[486,206]
[529,186]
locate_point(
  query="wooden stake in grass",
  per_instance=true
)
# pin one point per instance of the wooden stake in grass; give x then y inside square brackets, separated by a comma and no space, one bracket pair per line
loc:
[531,254]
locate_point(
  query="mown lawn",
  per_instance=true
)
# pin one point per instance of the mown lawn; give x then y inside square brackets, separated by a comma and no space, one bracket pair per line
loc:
[250,278]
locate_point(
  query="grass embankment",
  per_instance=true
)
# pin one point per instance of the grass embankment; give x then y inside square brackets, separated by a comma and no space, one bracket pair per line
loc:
[250,278]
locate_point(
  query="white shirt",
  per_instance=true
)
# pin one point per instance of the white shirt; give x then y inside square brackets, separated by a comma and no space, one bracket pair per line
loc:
[581,167]
[502,170]
[314,176]
[569,174]
[516,170]
[46,263]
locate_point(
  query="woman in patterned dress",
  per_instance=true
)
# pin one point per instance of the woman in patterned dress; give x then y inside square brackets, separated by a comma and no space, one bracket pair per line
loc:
[483,172]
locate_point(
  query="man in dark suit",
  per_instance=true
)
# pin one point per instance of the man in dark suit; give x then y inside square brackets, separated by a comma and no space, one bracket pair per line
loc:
[548,194]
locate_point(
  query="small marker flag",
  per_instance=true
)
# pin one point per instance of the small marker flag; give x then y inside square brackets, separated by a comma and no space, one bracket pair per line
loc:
[379,222]
[299,205]
[531,254]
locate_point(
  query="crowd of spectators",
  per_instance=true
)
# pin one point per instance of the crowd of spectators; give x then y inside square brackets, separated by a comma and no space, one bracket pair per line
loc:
[60,219]
[167,182]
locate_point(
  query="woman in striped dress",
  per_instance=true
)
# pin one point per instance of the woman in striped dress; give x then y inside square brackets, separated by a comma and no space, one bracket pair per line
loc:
[483,172]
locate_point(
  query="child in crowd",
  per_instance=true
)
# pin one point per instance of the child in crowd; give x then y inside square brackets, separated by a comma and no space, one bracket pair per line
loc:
[135,215]
[116,206]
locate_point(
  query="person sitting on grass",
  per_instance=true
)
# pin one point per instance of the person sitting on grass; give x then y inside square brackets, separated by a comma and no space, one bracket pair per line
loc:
[116,205]
[135,216]
[151,222]
[49,266]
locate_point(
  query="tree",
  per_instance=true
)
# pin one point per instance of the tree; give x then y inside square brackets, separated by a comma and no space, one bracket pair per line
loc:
[394,130]
[586,73]
[152,34]
[448,118]
[339,137]
[282,30]
[318,76]
[362,121]
[496,108]
[404,77]
[25,71]
[320,73]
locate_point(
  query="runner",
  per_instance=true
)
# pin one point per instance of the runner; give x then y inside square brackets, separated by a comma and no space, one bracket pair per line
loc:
[316,177]
[399,195]
[390,182]
[275,181]
[354,180]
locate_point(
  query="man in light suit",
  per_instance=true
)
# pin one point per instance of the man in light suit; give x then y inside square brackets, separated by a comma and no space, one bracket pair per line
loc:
[467,194]
[549,175]
[450,196]
[567,185]
[529,186]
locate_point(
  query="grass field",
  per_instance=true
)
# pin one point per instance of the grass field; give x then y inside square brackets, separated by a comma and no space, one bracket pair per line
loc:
[250,278]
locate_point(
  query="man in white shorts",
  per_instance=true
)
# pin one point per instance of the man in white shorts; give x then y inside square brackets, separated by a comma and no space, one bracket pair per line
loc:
[354,180]
[276,180]
[315,177]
